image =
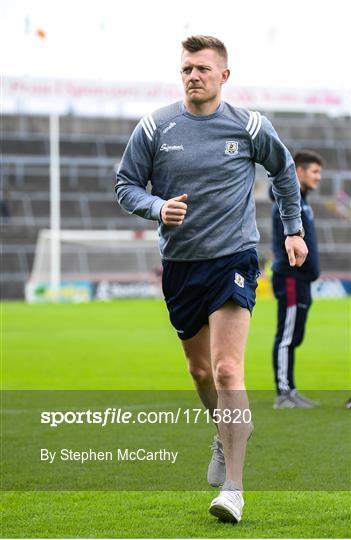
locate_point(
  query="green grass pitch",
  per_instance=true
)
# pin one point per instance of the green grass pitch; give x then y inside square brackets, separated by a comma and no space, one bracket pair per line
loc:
[130,345]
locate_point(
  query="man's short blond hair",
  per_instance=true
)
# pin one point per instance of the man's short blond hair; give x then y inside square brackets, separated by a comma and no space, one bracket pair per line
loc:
[198,43]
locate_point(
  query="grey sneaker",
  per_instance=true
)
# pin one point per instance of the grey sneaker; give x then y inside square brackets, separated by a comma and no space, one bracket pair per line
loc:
[216,469]
[293,400]
[302,402]
[283,401]
[228,506]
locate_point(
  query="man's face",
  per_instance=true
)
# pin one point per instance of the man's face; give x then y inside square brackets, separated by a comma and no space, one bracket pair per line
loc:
[310,176]
[203,74]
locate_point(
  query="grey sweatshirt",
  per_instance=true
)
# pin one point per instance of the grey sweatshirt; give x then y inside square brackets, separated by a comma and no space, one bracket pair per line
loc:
[212,159]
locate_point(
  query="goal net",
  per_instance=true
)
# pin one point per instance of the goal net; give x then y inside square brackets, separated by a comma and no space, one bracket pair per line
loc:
[96,265]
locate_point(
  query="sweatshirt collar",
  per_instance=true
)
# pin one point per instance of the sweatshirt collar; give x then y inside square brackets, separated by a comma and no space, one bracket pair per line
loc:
[201,117]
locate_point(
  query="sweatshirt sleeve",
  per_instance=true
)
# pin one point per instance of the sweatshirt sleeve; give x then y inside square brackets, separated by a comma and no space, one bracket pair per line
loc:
[134,172]
[270,152]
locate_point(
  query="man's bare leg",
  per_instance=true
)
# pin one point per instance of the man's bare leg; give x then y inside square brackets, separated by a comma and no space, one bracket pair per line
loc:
[198,354]
[229,328]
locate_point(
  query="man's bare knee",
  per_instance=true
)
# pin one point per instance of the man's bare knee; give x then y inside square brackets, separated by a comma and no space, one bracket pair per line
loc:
[200,374]
[227,372]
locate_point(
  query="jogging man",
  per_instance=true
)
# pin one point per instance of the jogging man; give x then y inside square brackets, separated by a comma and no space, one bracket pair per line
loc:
[292,287]
[199,155]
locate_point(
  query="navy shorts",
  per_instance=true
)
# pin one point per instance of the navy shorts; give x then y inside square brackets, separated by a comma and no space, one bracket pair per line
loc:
[195,289]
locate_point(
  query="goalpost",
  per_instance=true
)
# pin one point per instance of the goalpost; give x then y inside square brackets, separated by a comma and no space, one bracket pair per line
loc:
[96,265]
[80,265]
[55,192]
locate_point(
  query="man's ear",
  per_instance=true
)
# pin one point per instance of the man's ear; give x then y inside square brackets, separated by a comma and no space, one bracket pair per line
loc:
[225,75]
[299,170]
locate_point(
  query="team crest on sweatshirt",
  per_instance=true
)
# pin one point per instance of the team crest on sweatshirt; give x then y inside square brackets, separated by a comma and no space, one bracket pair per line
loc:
[231,147]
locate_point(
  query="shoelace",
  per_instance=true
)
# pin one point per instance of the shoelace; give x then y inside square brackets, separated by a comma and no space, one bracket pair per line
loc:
[217,448]
[233,496]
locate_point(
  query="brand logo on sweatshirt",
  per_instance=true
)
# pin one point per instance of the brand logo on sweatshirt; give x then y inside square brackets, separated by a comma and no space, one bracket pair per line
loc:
[170,126]
[171,148]
[231,147]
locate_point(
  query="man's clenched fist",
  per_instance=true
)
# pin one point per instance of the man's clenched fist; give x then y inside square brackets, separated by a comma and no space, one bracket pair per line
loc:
[174,210]
[296,249]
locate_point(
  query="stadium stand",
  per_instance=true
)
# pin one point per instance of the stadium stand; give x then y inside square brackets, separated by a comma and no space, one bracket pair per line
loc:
[90,148]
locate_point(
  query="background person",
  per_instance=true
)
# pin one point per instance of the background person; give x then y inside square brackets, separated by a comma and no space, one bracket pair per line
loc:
[292,286]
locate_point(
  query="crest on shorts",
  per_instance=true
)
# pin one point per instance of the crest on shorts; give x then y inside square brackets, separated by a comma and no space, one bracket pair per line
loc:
[239,280]
[231,147]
